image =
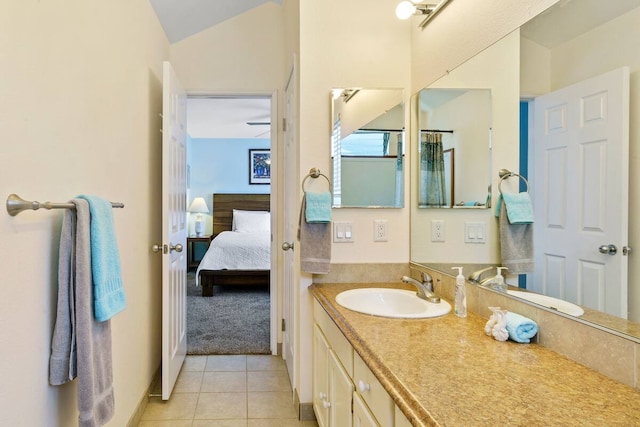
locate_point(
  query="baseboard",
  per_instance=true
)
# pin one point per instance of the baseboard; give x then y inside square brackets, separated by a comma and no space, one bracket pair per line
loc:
[305,410]
[142,404]
[279,349]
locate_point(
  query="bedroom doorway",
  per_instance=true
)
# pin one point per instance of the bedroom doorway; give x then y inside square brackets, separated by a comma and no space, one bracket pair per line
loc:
[227,136]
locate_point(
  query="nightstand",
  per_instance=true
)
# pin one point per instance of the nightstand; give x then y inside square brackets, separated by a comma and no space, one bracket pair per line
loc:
[196,248]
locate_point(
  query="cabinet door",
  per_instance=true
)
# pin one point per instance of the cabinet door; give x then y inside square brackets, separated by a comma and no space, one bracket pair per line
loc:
[340,392]
[320,377]
[400,419]
[361,415]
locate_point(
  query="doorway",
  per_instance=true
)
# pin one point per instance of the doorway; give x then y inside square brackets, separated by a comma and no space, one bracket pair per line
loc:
[223,133]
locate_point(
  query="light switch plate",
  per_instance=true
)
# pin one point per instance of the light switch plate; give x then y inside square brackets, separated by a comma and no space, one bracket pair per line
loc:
[343,232]
[475,232]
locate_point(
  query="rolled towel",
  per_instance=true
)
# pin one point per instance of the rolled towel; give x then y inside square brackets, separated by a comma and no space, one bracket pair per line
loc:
[521,329]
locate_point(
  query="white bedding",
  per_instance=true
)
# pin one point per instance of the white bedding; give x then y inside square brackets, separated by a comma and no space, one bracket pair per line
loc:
[231,250]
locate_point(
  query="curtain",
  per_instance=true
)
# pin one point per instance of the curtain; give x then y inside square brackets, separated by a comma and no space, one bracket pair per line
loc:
[432,185]
[399,181]
[385,143]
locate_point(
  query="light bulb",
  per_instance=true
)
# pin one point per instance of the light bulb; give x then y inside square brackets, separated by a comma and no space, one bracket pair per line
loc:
[405,9]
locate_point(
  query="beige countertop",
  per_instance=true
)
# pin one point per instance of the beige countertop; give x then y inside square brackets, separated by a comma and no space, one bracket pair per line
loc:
[446,372]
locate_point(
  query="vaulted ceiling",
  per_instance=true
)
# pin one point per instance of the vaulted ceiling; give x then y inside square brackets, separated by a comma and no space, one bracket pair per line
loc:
[184,18]
[215,117]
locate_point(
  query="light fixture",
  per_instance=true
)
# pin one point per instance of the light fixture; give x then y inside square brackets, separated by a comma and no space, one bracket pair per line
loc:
[198,206]
[406,9]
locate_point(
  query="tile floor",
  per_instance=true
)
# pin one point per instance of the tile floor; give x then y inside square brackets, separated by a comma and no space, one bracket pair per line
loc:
[227,391]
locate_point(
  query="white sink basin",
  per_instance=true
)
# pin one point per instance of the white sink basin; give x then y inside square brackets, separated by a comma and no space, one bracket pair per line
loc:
[549,302]
[388,302]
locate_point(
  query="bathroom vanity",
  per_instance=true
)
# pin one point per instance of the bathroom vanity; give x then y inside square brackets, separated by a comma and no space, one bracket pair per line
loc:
[446,371]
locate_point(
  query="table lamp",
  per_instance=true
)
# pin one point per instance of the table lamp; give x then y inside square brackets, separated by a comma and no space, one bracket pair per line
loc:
[198,206]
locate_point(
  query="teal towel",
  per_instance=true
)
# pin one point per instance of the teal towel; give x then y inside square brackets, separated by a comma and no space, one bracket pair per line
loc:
[521,329]
[318,209]
[108,295]
[519,207]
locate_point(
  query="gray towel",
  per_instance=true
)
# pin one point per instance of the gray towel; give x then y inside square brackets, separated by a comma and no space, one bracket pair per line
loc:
[81,346]
[315,244]
[516,244]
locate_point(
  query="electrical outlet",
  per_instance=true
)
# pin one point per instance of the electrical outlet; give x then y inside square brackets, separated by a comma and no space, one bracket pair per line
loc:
[437,230]
[380,230]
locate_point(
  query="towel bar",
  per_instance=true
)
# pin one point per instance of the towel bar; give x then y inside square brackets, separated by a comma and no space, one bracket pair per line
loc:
[506,173]
[16,204]
[314,173]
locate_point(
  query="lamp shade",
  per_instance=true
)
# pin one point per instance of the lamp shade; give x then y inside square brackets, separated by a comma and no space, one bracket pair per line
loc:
[199,206]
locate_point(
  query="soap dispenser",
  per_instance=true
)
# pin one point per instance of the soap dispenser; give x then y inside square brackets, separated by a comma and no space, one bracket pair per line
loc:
[497,282]
[461,294]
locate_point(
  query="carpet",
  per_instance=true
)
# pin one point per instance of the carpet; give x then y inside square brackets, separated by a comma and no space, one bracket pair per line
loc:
[236,320]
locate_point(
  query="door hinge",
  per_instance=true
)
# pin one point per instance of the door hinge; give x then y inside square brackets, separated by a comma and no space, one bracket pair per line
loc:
[284,325]
[284,124]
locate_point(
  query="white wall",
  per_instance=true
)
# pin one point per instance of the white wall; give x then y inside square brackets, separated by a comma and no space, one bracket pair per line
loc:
[461,30]
[364,45]
[221,166]
[81,93]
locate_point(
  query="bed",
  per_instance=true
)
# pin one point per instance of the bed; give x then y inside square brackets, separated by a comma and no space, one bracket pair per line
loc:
[237,257]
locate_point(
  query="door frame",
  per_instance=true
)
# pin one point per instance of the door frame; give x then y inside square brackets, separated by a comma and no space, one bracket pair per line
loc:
[274,305]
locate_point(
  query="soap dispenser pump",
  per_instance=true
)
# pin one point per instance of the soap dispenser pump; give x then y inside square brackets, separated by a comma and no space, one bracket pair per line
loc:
[461,294]
[498,282]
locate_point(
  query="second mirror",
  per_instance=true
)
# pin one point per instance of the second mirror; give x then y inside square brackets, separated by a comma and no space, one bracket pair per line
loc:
[454,152]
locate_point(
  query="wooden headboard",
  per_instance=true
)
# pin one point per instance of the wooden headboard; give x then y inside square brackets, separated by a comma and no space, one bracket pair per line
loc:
[224,204]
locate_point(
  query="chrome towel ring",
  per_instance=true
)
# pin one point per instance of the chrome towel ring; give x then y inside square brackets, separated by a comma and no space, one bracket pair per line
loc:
[314,173]
[506,173]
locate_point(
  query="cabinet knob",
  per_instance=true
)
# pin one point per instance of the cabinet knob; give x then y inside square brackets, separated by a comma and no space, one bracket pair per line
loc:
[322,395]
[363,386]
[326,404]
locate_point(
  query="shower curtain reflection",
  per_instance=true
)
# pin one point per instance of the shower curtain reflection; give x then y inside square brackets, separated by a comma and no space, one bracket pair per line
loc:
[432,179]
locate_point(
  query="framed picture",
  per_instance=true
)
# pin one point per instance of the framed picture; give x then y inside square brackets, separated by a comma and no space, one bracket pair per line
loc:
[259,166]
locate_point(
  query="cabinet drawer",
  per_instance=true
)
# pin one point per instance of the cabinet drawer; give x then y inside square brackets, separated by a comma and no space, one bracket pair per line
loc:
[372,392]
[337,341]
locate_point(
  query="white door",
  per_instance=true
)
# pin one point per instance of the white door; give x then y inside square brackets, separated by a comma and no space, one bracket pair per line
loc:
[290,227]
[581,176]
[174,217]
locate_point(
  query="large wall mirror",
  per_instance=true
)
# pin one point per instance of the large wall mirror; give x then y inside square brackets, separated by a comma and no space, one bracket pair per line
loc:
[455,148]
[367,148]
[573,42]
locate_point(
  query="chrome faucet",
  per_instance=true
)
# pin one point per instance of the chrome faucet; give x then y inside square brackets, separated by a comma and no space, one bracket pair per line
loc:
[476,276]
[425,288]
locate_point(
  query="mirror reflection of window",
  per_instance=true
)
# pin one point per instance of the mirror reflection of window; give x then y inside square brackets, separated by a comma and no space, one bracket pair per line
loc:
[367,148]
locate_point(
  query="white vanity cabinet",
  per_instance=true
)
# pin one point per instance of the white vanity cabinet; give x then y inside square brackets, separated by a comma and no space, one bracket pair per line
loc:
[345,391]
[400,419]
[332,386]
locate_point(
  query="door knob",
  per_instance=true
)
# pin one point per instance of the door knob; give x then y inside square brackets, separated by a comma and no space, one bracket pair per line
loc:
[286,246]
[608,249]
[159,248]
[177,248]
